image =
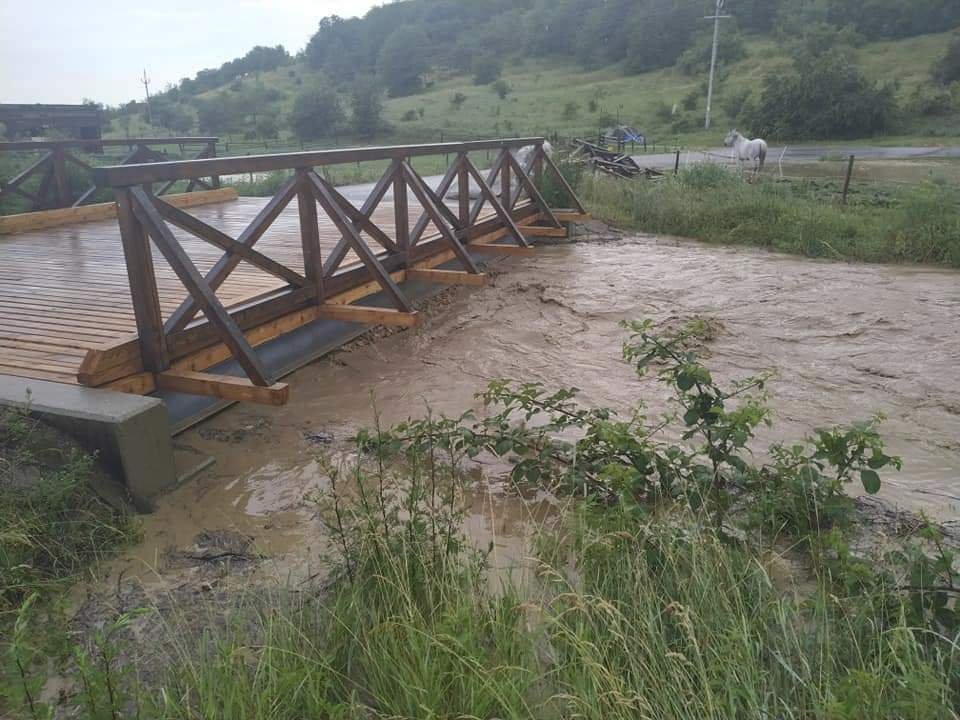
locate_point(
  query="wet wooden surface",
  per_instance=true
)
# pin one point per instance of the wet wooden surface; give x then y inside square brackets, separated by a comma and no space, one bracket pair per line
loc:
[64,290]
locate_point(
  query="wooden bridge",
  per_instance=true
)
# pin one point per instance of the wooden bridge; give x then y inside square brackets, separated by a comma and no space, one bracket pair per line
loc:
[150,302]
[51,159]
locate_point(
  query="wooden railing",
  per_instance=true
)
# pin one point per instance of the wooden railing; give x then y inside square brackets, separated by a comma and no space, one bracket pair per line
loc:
[54,189]
[168,353]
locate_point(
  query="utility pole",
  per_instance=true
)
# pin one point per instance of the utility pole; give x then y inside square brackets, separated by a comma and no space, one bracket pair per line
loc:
[716,17]
[146,88]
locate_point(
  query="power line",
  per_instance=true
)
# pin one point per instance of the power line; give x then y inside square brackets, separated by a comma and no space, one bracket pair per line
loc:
[716,17]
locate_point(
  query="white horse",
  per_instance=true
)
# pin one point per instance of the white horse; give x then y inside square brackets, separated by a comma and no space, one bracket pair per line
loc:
[745,150]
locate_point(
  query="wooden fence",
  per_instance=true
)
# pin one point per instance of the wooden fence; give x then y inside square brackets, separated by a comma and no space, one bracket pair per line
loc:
[54,189]
[168,354]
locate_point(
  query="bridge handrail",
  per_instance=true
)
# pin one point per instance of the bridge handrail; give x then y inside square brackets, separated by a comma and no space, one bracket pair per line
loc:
[20,145]
[139,174]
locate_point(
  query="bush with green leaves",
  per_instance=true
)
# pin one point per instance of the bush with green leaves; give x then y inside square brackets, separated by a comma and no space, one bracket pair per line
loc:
[316,113]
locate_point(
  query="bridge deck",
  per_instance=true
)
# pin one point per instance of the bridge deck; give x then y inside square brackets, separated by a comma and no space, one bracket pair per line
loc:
[64,290]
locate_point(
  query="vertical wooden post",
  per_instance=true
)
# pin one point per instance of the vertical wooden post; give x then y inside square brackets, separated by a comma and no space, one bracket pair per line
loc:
[401,214]
[505,192]
[676,164]
[143,285]
[846,182]
[60,177]
[310,234]
[212,152]
[463,191]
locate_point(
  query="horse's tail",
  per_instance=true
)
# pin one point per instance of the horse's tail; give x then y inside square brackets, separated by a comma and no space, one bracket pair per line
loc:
[763,155]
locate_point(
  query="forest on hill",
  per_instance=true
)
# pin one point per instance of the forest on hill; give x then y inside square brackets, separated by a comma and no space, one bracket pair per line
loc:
[351,69]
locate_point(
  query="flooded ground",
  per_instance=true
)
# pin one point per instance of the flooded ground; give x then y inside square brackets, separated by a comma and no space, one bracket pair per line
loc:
[846,341]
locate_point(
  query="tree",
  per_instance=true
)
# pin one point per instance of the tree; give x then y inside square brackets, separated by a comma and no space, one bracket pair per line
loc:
[486,69]
[316,113]
[661,31]
[403,61]
[366,107]
[502,89]
[825,96]
[695,60]
[218,114]
[947,69]
[456,100]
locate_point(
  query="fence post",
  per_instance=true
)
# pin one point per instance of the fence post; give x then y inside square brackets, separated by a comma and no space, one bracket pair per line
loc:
[846,182]
[676,164]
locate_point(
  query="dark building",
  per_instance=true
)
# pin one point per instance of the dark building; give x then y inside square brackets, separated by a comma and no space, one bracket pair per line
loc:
[80,122]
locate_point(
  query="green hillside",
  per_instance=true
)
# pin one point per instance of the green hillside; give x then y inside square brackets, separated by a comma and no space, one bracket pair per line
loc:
[547,96]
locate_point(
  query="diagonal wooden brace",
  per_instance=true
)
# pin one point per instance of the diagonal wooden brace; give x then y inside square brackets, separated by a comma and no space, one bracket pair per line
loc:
[182,316]
[491,179]
[342,247]
[212,235]
[505,217]
[563,181]
[347,229]
[532,192]
[429,203]
[437,198]
[198,288]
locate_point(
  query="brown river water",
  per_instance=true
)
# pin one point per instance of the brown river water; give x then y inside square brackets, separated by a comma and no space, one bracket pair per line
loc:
[845,340]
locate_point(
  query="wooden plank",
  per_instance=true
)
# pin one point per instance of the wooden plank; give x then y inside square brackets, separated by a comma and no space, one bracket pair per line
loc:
[201,292]
[41,220]
[544,231]
[225,387]
[449,277]
[568,216]
[369,315]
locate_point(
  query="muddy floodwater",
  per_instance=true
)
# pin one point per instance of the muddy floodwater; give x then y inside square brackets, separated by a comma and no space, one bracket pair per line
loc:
[846,341]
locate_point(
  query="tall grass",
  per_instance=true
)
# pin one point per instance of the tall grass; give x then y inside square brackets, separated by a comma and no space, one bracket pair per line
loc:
[921,224]
[53,525]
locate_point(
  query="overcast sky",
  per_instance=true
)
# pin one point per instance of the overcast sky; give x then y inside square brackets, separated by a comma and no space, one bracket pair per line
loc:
[61,51]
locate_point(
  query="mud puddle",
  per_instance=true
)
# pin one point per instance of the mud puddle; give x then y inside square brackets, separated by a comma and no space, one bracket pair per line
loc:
[846,341]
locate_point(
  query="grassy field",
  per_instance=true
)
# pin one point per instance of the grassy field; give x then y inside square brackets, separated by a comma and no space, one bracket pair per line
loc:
[882,222]
[541,92]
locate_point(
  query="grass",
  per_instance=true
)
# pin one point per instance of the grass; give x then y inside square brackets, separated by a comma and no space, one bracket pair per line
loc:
[917,224]
[53,525]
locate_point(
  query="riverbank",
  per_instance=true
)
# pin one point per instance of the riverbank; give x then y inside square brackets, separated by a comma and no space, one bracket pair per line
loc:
[881,224]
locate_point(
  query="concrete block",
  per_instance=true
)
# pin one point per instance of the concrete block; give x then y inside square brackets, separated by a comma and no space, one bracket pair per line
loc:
[130,433]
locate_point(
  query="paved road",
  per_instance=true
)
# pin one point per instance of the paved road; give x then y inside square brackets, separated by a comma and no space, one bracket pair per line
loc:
[801,154]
